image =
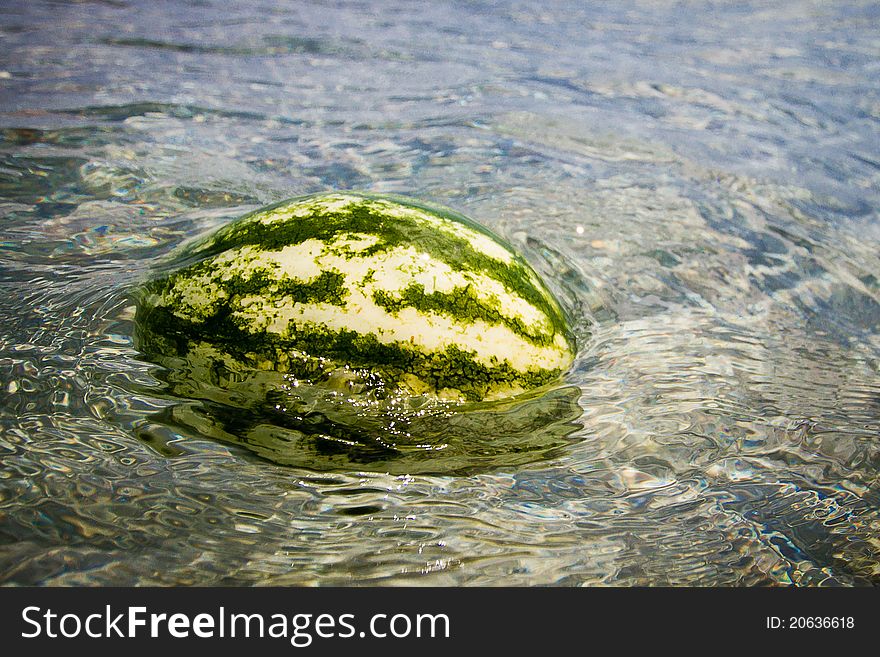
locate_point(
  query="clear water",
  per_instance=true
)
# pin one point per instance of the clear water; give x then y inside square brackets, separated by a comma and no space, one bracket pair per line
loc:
[700,180]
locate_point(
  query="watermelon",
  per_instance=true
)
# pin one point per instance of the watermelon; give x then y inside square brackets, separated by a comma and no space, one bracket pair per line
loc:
[357,292]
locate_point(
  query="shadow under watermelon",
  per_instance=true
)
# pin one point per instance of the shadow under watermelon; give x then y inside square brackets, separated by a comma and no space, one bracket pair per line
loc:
[323,434]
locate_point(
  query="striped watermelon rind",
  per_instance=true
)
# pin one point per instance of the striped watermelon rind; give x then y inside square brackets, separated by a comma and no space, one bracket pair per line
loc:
[401,295]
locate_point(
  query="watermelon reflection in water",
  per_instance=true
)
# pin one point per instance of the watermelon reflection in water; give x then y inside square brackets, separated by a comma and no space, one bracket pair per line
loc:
[351,329]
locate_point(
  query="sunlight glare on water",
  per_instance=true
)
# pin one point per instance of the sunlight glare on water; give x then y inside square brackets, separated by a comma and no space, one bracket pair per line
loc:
[702,199]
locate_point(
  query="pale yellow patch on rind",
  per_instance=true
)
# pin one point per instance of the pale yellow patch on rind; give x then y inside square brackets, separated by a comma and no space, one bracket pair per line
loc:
[390,272]
[490,344]
[338,202]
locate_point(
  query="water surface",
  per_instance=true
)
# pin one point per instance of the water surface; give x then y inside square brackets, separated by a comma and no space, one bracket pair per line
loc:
[699,181]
